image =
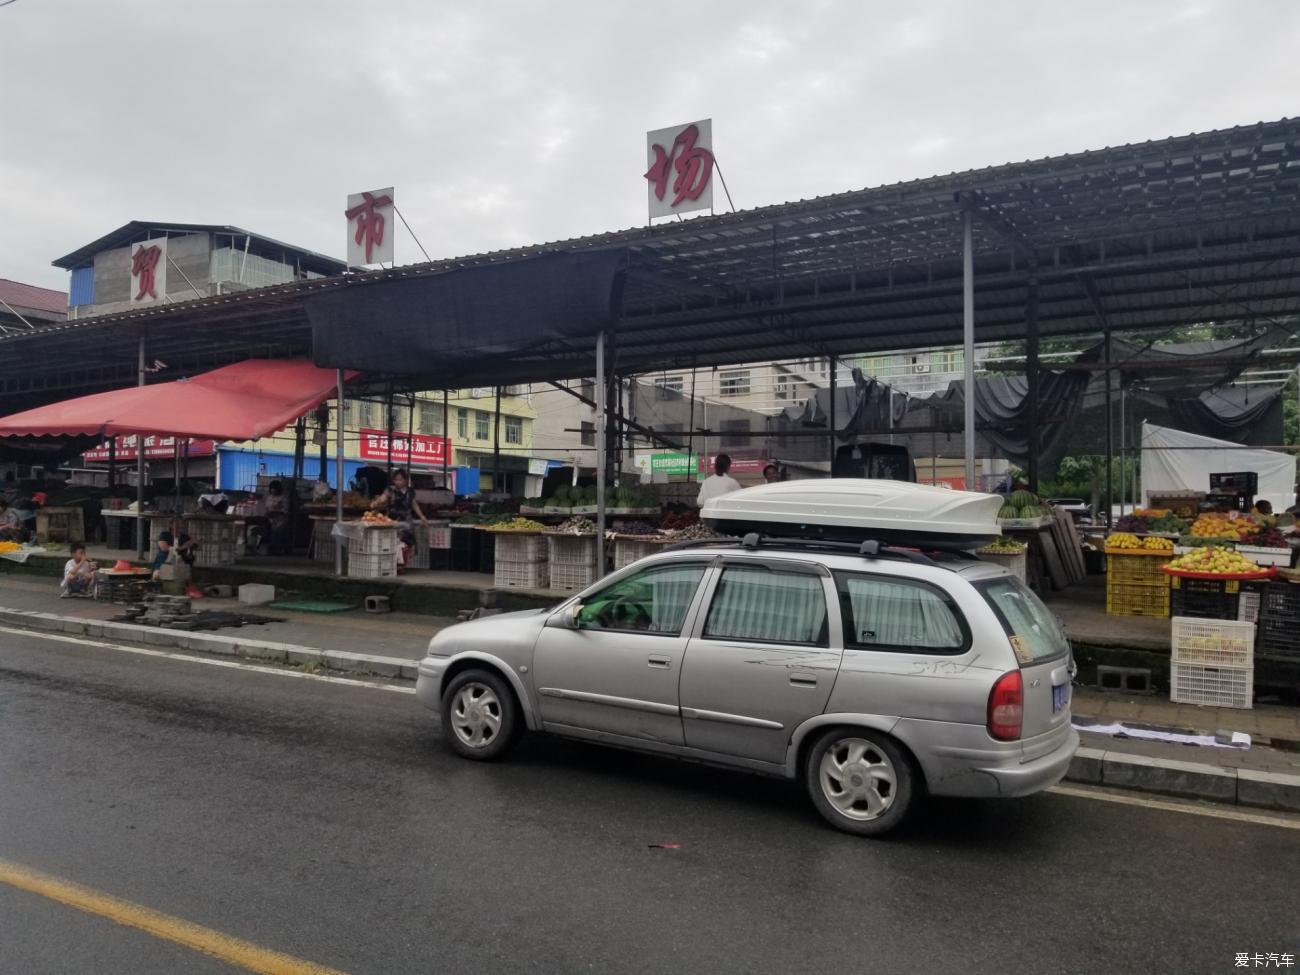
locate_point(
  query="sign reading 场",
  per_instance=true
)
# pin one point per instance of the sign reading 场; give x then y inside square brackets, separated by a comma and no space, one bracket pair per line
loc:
[680,177]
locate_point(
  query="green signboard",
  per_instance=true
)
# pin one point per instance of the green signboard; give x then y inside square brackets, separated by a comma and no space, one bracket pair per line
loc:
[678,463]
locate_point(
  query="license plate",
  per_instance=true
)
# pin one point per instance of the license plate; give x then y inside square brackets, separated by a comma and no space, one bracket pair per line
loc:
[1060,697]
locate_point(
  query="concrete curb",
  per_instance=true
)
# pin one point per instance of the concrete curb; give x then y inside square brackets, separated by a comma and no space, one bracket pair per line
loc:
[1091,766]
[1189,780]
[230,646]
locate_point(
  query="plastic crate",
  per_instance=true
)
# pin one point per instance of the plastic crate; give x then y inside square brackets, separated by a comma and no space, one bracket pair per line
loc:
[1213,643]
[1261,555]
[1136,600]
[1214,599]
[572,578]
[1215,687]
[1278,641]
[520,548]
[579,550]
[1137,570]
[521,575]
[376,541]
[1280,603]
[1013,562]
[628,550]
[372,565]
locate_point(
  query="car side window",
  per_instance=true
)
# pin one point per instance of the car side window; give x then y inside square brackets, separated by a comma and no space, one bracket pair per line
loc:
[654,600]
[764,605]
[896,614]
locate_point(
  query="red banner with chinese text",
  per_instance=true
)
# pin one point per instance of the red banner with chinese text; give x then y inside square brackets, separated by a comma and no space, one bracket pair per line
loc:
[421,450]
[155,448]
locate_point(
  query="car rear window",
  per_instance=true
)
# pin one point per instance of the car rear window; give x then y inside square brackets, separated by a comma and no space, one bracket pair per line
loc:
[1035,634]
[883,613]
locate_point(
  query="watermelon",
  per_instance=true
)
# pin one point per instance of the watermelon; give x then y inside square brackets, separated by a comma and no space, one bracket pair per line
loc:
[1023,499]
[1009,511]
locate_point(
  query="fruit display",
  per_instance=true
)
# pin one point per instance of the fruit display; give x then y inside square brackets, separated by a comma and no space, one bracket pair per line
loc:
[1166,522]
[1214,561]
[637,528]
[677,521]
[694,531]
[1215,525]
[377,518]
[1004,546]
[1154,543]
[1134,524]
[1123,540]
[9,547]
[1023,504]
[1266,538]
[519,525]
[1170,523]
[576,525]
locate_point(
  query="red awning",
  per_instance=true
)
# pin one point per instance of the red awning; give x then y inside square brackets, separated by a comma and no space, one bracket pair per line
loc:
[244,401]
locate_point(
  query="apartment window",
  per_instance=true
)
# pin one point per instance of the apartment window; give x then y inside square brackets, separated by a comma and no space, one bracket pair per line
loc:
[948,360]
[482,425]
[588,433]
[367,412]
[735,433]
[430,418]
[733,382]
[668,388]
[462,423]
[514,429]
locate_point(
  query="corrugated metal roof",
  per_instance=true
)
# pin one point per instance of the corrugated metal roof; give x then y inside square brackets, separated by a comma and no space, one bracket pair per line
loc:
[28,297]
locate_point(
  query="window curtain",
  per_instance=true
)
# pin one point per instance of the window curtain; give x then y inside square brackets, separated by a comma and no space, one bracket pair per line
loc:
[754,603]
[894,614]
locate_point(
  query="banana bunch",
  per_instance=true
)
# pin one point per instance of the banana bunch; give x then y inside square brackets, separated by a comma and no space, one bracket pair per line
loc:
[1153,543]
[1123,540]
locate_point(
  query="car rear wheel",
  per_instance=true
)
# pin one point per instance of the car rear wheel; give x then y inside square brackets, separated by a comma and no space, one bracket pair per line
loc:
[480,718]
[860,781]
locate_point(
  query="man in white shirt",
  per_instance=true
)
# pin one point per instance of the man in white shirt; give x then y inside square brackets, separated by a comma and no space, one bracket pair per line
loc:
[719,482]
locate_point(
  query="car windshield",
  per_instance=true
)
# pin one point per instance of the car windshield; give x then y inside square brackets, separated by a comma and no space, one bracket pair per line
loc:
[1035,634]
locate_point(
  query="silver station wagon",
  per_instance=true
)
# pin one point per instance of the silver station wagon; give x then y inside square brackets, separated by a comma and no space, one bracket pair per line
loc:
[875,674]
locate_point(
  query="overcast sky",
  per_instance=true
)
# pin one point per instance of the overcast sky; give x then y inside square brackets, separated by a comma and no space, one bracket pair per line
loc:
[509,123]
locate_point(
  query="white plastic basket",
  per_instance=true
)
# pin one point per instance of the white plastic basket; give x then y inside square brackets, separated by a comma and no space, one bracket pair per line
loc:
[376,541]
[572,578]
[1213,643]
[1216,687]
[520,548]
[372,565]
[627,550]
[521,575]
[1266,556]
[578,550]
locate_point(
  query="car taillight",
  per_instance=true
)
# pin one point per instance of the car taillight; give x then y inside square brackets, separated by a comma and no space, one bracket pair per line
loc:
[1007,707]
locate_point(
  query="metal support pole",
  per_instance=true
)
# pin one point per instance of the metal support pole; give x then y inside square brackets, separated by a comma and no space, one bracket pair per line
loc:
[831,428]
[112,463]
[968,342]
[1123,448]
[1110,436]
[388,429]
[602,398]
[446,446]
[141,534]
[1134,465]
[1032,376]
[340,486]
[496,446]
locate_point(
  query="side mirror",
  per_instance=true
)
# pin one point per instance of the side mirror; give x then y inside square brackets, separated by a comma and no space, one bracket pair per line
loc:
[568,618]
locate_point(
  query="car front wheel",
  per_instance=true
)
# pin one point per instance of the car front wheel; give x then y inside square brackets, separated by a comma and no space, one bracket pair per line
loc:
[860,781]
[480,718]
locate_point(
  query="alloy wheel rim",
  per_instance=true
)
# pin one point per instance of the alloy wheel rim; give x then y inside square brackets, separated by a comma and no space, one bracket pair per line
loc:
[476,715]
[858,779]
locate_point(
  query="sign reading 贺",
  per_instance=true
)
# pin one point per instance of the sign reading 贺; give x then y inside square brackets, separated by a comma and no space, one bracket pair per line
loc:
[148,269]
[370,227]
[680,177]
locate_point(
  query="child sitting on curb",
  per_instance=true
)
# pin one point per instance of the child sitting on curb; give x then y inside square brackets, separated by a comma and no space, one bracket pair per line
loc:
[78,574]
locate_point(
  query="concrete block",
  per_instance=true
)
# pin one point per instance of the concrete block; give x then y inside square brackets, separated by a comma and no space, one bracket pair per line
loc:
[94,628]
[74,625]
[378,604]
[1271,790]
[410,670]
[364,663]
[304,655]
[46,621]
[208,643]
[262,650]
[256,594]
[1195,780]
[130,632]
[1084,767]
[161,638]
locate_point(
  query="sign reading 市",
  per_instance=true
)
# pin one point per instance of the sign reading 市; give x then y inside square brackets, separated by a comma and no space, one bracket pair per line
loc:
[370,227]
[429,451]
[155,448]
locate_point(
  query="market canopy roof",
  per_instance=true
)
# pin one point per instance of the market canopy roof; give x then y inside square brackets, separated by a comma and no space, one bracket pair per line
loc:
[243,401]
[1198,228]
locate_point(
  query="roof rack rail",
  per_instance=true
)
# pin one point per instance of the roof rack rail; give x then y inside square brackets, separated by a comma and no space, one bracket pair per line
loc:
[870,548]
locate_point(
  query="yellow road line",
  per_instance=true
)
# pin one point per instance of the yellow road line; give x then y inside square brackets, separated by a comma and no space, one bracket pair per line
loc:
[1262,818]
[233,951]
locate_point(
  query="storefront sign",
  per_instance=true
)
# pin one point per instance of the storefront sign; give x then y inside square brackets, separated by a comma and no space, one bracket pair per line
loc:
[148,271]
[424,451]
[680,177]
[677,463]
[370,227]
[155,448]
[739,465]
[538,467]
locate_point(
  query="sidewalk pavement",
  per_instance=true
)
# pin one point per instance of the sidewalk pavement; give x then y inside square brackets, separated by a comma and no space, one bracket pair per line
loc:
[1267,774]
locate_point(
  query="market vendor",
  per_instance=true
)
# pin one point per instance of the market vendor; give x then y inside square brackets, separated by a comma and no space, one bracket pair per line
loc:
[186,548]
[275,508]
[398,500]
[9,523]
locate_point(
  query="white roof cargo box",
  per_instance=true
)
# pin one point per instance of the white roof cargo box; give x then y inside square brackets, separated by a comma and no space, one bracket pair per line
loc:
[856,509]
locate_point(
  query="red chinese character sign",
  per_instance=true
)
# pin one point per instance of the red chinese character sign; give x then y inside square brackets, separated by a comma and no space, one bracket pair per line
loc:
[148,270]
[680,177]
[155,448]
[370,227]
[421,451]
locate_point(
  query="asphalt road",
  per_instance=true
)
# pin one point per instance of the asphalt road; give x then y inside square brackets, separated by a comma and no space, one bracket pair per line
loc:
[327,822]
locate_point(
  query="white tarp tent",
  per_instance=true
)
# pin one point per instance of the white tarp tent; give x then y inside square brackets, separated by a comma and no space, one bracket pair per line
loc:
[1176,461]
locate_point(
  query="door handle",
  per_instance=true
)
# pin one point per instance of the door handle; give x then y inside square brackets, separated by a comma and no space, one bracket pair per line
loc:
[660,660]
[803,680]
